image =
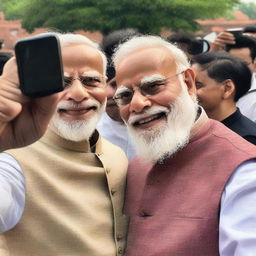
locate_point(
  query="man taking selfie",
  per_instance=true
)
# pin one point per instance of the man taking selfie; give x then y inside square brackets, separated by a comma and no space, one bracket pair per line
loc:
[74,185]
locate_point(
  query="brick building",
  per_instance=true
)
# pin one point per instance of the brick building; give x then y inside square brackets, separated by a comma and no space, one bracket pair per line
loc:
[11,31]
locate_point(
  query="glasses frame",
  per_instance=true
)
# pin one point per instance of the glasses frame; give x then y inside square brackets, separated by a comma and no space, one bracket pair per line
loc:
[81,79]
[116,98]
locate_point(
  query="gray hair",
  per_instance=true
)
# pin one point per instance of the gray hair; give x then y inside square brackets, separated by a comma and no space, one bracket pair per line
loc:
[140,42]
[66,39]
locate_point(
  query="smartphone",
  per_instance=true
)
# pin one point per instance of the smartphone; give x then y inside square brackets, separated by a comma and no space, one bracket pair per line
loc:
[235,31]
[39,65]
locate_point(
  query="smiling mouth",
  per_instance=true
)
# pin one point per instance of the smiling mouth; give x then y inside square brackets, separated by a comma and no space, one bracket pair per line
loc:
[76,110]
[150,119]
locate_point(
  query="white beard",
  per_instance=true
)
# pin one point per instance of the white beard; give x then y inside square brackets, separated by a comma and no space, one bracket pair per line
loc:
[162,141]
[76,130]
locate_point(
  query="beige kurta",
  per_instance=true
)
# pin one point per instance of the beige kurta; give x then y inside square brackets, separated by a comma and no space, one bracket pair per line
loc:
[74,200]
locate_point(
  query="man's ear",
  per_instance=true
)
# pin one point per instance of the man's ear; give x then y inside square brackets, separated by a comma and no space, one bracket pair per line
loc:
[190,81]
[229,89]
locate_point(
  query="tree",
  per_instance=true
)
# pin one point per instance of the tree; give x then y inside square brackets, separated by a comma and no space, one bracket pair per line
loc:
[249,9]
[147,16]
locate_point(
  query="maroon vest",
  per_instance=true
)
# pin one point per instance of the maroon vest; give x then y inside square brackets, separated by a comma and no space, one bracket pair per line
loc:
[174,206]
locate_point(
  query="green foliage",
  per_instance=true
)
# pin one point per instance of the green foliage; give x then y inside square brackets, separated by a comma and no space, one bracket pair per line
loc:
[249,9]
[147,16]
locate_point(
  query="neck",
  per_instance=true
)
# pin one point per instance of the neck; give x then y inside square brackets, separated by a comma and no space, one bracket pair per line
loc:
[224,111]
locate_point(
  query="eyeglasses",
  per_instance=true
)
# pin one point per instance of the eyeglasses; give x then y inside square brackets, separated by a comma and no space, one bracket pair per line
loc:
[88,82]
[124,95]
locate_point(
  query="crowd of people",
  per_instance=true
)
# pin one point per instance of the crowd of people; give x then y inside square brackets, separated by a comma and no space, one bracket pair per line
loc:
[168,168]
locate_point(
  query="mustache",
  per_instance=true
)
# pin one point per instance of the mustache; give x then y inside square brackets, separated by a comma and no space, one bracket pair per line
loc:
[74,105]
[147,113]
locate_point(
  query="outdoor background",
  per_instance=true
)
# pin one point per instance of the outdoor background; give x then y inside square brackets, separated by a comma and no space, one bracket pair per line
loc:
[95,18]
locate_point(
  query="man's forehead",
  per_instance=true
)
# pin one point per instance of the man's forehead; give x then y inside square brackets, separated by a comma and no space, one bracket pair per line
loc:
[81,52]
[82,57]
[151,61]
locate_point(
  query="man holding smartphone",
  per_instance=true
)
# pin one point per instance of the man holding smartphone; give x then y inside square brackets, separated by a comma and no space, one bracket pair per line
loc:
[74,186]
[19,126]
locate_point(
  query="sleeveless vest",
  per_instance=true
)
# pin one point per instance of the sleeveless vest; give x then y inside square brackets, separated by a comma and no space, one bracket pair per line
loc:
[174,206]
[74,200]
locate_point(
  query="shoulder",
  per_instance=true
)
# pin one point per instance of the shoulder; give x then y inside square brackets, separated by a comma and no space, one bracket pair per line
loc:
[228,141]
[112,152]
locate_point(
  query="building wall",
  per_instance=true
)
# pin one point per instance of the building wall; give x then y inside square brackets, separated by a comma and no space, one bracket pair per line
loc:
[11,31]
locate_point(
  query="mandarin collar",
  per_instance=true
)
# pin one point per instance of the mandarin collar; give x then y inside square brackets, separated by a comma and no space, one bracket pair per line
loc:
[53,139]
[201,125]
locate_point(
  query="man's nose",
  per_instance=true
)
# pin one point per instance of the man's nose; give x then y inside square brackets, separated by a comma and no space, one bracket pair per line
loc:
[139,102]
[77,91]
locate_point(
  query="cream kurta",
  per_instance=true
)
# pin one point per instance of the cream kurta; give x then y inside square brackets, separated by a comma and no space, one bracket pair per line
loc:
[74,200]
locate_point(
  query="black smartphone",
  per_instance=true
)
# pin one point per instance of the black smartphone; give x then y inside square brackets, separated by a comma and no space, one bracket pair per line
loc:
[39,65]
[235,31]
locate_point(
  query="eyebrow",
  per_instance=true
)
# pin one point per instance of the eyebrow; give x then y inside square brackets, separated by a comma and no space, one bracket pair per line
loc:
[151,78]
[122,88]
[86,74]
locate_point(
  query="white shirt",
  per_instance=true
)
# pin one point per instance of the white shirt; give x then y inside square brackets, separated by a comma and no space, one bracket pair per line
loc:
[247,103]
[12,192]
[237,228]
[116,133]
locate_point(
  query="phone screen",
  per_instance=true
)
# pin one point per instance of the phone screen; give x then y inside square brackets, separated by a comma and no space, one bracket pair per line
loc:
[39,65]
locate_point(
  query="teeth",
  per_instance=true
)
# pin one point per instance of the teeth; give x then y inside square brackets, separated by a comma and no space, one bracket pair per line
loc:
[147,119]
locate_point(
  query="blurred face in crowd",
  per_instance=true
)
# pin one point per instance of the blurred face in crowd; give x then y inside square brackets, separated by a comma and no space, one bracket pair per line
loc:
[244,54]
[156,102]
[209,91]
[84,97]
[112,108]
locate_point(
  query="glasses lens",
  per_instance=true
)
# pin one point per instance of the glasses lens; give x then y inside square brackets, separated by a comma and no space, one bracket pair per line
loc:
[124,98]
[152,88]
[67,81]
[91,81]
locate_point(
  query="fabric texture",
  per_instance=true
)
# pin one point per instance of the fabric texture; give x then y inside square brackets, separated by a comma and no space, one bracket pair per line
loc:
[241,125]
[74,200]
[116,133]
[12,191]
[247,103]
[174,206]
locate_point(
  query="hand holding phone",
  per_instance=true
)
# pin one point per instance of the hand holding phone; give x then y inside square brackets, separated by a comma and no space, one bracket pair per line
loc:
[23,120]
[39,65]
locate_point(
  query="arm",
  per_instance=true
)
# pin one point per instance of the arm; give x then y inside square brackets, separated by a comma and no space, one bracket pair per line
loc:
[237,234]
[22,120]
[12,192]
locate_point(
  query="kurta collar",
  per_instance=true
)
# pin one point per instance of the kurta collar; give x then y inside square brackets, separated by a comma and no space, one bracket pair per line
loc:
[201,125]
[84,146]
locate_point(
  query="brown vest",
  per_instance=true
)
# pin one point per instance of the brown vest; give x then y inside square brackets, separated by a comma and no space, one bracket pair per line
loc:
[74,200]
[174,206]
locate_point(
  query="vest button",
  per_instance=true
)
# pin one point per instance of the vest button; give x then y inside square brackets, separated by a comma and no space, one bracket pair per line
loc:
[120,250]
[113,191]
[119,237]
[144,214]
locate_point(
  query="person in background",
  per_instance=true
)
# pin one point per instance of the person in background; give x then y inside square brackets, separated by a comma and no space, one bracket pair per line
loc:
[191,189]
[189,43]
[250,30]
[111,126]
[243,47]
[221,79]
[74,183]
